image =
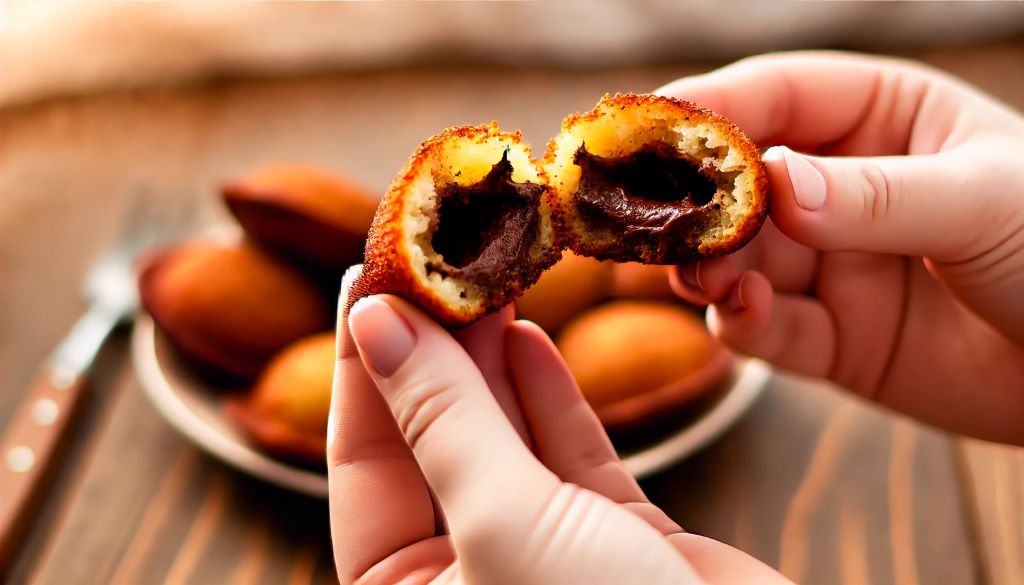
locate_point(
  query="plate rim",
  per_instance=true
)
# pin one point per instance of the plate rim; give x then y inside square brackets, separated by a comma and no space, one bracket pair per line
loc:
[751,379]
[173,409]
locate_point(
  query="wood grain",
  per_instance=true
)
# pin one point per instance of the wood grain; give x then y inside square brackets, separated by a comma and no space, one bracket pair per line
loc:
[816,482]
[826,478]
[30,449]
[994,478]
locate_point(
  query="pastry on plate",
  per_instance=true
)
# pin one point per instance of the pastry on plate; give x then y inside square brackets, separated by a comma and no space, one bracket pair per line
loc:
[640,363]
[309,214]
[286,411]
[571,286]
[229,306]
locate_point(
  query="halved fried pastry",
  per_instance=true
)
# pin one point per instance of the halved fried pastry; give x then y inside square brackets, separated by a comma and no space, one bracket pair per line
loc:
[464,228]
[655,180]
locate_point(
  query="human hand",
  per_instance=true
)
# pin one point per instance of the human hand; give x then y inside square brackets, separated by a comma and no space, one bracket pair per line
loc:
[497,470]
[899,277]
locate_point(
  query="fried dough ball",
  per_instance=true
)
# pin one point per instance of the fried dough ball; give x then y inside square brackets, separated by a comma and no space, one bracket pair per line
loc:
[656,180]
[286,411]
[464,228]
[632,280]
[230,306]
[639,361]
[571,286]
[309,214]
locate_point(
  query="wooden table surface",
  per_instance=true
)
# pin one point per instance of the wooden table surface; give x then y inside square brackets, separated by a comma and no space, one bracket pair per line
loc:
[825,487]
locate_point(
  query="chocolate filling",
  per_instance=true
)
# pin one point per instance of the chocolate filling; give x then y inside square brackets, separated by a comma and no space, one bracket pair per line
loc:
[484,231]
[652,195]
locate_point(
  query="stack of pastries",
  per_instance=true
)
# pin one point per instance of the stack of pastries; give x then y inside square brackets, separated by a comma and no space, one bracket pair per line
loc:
[579,241]
[257,314]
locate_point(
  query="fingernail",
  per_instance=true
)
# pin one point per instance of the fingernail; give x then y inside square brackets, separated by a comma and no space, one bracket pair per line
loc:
[807,181]
[736,302]
[690,275]
[383,336]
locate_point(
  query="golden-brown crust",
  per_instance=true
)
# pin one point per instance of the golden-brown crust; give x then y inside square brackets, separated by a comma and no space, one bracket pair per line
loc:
[204,321]
[388,263]
[637,362]
[693,247]
[309,214]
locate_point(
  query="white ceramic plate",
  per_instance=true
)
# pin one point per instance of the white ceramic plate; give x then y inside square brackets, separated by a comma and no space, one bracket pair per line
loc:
[192,406]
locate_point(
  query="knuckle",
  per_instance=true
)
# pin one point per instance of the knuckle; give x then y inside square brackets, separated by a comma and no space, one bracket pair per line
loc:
[876,194]
[421,404]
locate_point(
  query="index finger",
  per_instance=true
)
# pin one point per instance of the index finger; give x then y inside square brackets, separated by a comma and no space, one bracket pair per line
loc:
[845,104]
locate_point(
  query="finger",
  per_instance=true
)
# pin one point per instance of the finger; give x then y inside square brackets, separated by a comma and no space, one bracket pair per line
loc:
[791,267]
[916,206]
[379,502]
[793,332]
[482,473]
[568,437]
[484,341]
[852,104]
[705,282]
[720,564]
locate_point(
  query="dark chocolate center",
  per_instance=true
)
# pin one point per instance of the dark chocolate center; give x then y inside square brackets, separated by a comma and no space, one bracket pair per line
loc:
[655,171]
[484,231]
[652,197]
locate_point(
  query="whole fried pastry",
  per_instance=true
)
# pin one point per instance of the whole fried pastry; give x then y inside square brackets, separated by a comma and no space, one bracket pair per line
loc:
[464,228]
[229,306]
[286,410]
[655,180]
[640,362]
[309,214]
[572,285]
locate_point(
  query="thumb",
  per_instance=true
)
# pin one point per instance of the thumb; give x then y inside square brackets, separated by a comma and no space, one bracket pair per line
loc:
[925,205]
[468,450]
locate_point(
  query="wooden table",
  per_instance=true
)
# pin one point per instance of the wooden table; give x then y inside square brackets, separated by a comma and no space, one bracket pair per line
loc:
[826,488]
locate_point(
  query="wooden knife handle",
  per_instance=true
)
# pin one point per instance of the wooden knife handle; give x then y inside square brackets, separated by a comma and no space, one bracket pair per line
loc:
[28,449]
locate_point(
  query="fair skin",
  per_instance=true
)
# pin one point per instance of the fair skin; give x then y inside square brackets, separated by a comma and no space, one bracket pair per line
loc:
[472,458]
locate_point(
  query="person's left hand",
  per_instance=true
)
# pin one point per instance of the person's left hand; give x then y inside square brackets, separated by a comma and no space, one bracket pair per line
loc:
[496,471]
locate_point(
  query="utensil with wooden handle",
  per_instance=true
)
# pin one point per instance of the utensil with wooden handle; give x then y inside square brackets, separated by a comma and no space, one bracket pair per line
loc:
[31,444]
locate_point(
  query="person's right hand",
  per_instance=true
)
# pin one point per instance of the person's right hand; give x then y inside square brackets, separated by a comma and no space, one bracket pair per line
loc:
[899,277]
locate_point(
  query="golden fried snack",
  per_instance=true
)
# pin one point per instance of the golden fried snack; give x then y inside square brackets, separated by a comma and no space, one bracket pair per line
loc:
[309,214]
[230,306]
[571,286]
[286,411]
[632,280]
[638,362]
[464,228]
[655,180]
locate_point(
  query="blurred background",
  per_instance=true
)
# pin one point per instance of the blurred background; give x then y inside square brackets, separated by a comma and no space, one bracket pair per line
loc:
[56,48]
[104,102]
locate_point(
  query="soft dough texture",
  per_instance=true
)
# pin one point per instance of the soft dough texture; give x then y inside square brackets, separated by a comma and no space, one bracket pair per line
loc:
[655,180]
[464,228]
